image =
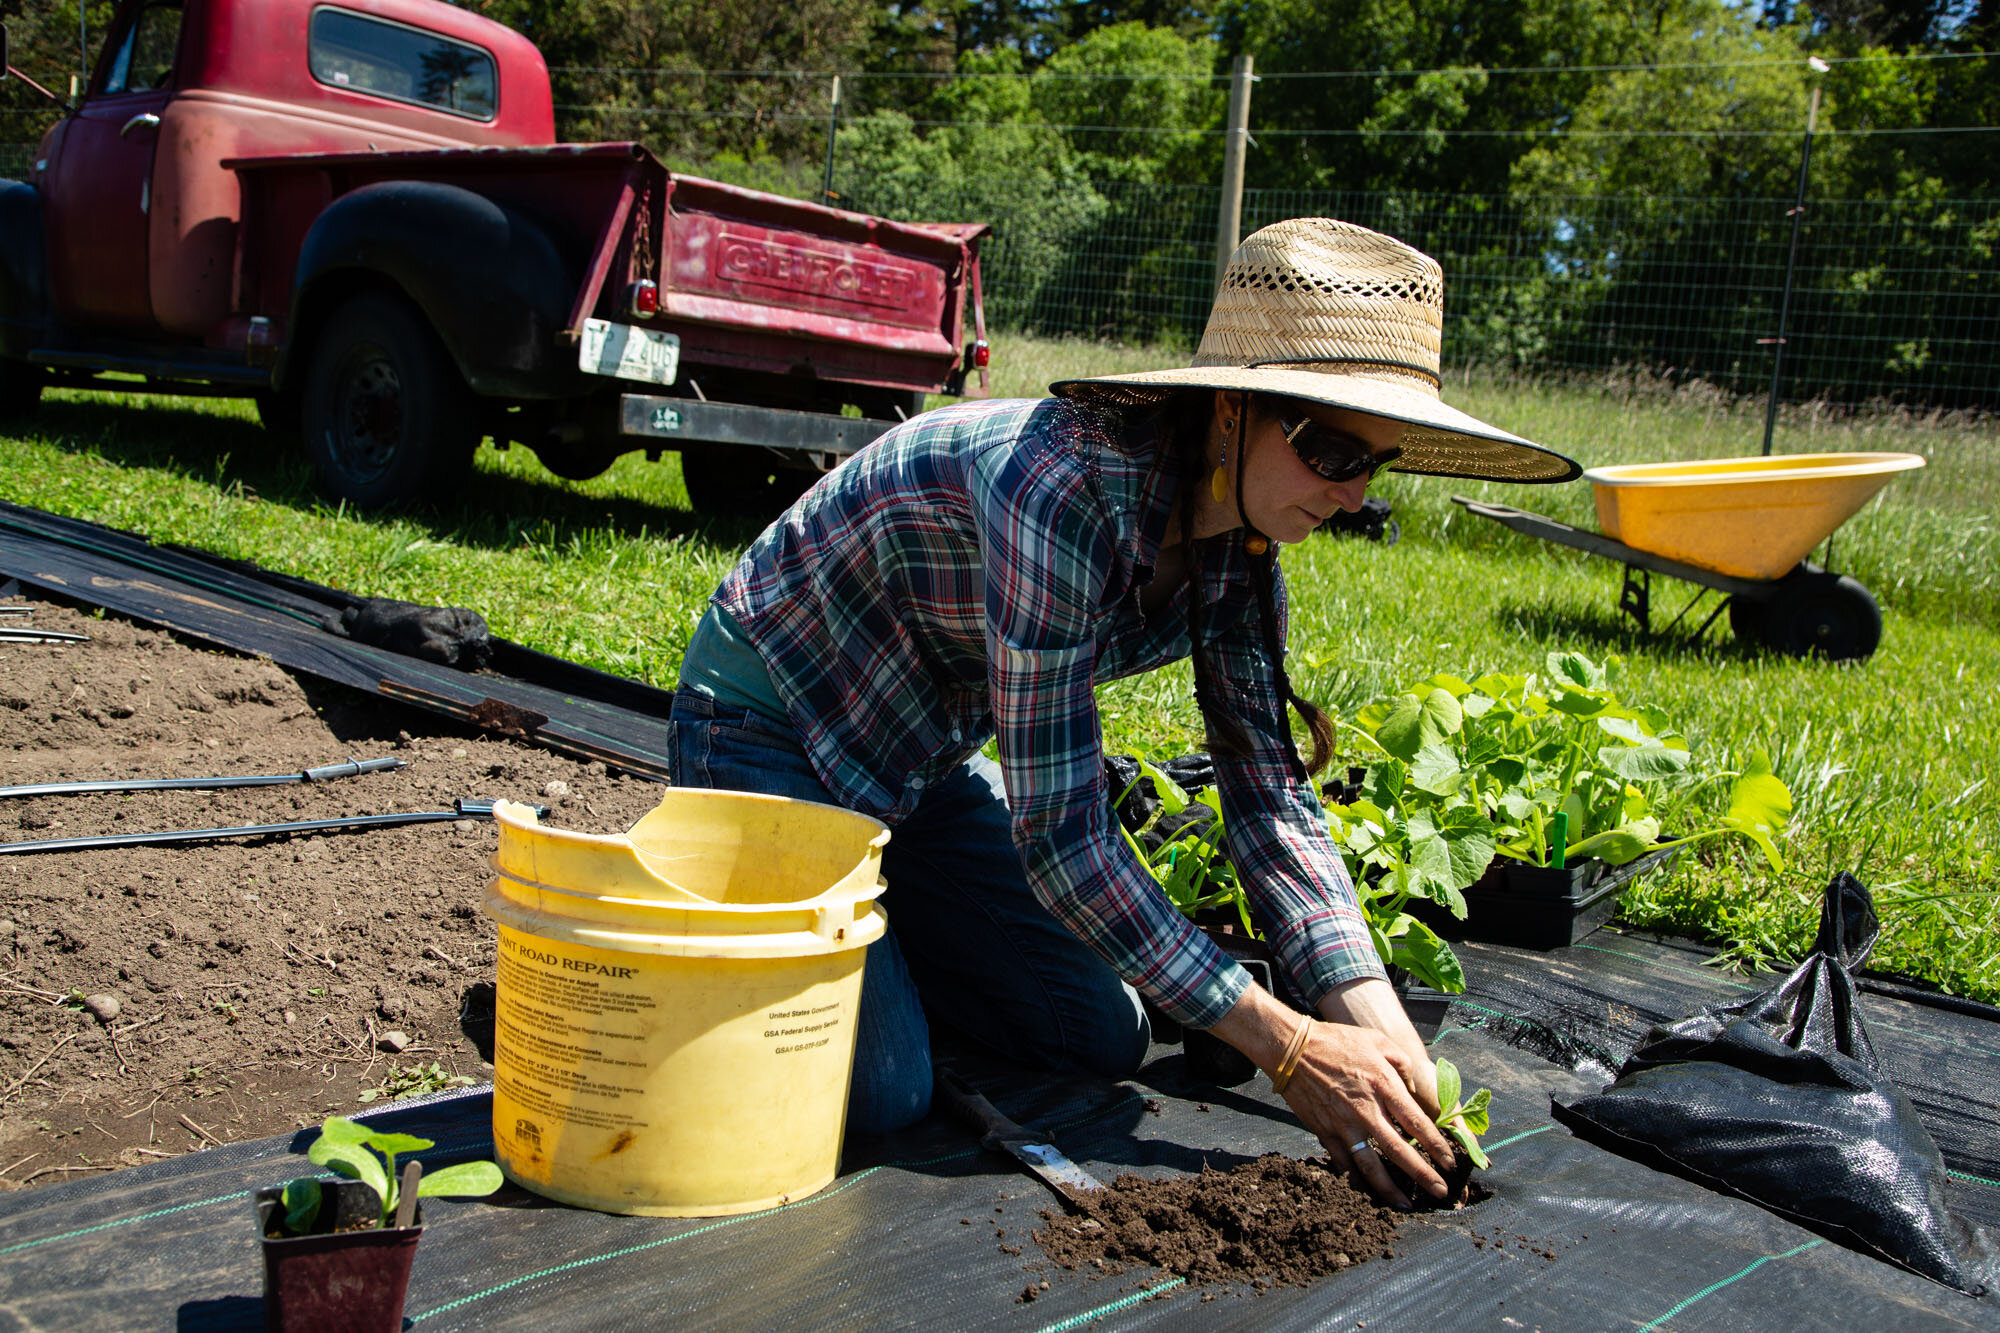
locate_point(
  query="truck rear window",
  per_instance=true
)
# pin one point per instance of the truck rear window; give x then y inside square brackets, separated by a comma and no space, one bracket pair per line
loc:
[367,55]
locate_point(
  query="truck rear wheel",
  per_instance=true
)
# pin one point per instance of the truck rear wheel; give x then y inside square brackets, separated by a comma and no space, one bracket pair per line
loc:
[741,481]
[20,389]
[387,420]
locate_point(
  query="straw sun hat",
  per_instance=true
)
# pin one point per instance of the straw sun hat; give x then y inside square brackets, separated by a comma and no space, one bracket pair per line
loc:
[1333,313]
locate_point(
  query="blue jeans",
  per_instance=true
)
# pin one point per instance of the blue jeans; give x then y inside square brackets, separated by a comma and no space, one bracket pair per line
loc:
[969,947]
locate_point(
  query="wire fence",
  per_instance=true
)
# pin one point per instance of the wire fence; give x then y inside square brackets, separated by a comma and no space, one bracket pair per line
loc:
[1893,301]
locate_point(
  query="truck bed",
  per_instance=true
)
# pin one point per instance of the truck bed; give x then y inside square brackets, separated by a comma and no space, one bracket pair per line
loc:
[748,280]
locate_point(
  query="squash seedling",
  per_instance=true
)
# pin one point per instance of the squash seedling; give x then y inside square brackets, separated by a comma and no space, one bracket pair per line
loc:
[1463,1122]
[359,1153]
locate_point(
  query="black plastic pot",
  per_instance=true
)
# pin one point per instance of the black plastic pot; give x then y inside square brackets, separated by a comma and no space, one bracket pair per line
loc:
[336,1281]
[1426,1007]
[1536,907]
[1209,1058]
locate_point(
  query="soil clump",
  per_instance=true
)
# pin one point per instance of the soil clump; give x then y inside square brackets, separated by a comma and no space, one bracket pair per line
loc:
[1277,1221]
[156,1000]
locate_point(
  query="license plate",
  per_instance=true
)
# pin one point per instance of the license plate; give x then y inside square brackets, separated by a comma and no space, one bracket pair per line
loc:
[628,353]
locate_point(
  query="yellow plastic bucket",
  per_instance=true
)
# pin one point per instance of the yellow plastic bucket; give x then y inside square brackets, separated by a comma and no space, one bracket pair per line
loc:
[676,1006]
[1750,518]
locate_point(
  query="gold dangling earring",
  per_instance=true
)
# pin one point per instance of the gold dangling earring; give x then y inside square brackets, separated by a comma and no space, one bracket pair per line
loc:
[1218,483]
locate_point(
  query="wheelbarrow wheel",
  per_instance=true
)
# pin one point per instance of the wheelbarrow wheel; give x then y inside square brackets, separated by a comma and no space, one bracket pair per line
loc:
[1817,614]
[1750,619]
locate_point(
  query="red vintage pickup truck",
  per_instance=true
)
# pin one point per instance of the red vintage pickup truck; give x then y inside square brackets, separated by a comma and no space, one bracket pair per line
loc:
[357,214]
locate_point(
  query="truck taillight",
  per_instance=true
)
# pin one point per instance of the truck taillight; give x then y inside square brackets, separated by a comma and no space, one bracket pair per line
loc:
[645,298]
[982,355]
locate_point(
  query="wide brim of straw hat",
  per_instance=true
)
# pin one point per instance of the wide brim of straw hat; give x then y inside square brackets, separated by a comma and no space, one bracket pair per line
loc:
[1330,312]
[1438,439]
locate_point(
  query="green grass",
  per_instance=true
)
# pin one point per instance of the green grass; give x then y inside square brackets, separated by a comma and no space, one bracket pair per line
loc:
[1887,759]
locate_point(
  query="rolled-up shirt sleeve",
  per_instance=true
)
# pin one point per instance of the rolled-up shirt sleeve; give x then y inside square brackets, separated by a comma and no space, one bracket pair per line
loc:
[1048,546]
[1277,829]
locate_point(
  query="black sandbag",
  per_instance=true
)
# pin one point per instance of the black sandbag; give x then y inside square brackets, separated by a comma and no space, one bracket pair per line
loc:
[1780,1100]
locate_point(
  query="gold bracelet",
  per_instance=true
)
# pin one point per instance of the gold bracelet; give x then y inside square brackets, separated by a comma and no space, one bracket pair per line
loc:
[1282,1075]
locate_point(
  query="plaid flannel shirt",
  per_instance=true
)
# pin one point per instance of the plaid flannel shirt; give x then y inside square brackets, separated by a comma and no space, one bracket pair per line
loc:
[975,573]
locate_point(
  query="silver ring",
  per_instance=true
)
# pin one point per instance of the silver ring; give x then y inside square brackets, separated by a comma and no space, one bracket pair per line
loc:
[1364,1145]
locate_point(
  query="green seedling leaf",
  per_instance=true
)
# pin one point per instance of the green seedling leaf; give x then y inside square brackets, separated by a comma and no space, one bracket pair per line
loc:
[1643,763]
[1577,669]
[1580,703]
[1173,799]
[1382,788]
[1401,732]
[339,1129]
[1448,1086]
[356,1163]
[1616,847]
[395,1144]
[1436,770]
[1425,956]
[1623,727]
[466,1180]
[1759,805]
[301,1201]
[1419,720]
[1468,1143]
[1463,1123]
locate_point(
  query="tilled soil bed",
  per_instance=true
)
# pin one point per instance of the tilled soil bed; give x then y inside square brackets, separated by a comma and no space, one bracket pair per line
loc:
[244,988]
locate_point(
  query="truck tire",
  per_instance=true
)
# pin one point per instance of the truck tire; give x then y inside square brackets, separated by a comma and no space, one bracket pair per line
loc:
[20,389]
[737,481]
[386,419]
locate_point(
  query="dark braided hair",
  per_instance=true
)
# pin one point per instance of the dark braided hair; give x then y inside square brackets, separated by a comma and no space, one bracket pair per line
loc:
[1189,436]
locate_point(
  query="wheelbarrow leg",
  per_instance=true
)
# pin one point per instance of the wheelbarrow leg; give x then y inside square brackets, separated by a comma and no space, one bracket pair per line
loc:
[1635,599]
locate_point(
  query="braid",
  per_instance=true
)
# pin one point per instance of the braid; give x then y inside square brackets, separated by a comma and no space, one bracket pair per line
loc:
[1263,578]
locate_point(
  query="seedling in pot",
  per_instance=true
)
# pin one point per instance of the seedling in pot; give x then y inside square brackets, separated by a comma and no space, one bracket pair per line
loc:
[1462,1122]
[361,1154]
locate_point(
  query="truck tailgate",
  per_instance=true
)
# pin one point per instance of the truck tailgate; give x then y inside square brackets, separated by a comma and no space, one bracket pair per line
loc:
[760,263]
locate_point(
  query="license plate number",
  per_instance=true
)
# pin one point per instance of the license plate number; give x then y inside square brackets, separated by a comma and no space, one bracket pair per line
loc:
[628,353]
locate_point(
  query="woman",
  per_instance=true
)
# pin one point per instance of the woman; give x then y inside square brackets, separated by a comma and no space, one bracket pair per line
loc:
[977,572]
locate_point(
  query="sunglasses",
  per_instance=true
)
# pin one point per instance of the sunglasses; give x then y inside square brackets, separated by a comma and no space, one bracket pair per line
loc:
[1335,455]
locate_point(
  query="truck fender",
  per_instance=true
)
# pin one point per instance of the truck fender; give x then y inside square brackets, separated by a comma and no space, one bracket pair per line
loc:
[491,282]
[24,288]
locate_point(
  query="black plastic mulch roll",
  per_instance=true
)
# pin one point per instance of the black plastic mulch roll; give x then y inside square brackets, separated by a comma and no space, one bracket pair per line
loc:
[1780,1099]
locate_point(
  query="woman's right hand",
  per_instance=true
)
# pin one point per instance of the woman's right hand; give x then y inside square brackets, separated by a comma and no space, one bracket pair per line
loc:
[1352,1087]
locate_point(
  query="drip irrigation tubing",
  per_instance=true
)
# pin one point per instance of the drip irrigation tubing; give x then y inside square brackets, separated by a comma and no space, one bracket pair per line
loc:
[324,773]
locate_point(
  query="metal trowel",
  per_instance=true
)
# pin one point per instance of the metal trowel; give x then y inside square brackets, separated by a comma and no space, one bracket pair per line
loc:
[1000,1134]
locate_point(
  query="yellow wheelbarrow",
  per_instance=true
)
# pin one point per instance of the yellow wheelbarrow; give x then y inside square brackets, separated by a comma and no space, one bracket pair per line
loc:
[1741,527]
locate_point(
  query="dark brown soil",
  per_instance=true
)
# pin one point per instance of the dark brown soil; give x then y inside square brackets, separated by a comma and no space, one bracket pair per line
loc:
[1277,1221]
[256,983]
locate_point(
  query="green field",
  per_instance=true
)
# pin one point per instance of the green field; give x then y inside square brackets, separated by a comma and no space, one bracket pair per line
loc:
[1888,760]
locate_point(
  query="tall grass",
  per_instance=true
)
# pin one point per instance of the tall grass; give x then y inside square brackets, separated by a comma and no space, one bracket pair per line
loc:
[1888,759]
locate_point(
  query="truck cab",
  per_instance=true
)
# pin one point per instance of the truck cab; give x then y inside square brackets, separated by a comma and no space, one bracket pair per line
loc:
[133,180]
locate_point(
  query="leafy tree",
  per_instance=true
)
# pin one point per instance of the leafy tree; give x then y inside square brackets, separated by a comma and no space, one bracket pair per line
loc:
[1406,130]
[1152,79]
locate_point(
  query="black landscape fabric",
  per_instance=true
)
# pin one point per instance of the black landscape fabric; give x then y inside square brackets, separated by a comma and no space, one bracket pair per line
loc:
[1780,1099]
[439,658]
[911,1233]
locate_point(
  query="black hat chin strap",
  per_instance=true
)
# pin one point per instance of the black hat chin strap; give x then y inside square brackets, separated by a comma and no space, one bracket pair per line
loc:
[1242,453]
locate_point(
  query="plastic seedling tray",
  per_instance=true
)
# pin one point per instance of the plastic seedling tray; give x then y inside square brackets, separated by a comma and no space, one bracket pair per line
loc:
[1536,907]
